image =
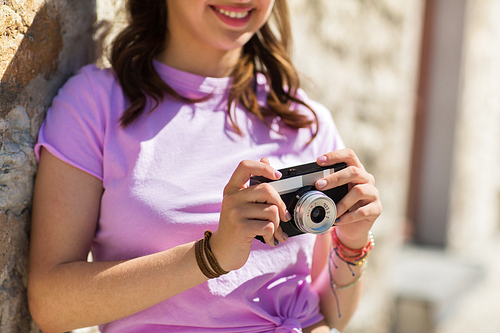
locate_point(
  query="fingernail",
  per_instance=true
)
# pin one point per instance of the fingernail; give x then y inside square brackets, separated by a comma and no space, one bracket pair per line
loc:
[288,216]
[285,236]
[322,159]
[276,242]
[277,174]
[321,183]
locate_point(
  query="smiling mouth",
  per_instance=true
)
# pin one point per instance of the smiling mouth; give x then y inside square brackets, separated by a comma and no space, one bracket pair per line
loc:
[231,14]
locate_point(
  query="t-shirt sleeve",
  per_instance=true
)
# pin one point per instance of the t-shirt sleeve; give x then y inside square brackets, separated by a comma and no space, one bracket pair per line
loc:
[73,130]
[328,138]
[329,132]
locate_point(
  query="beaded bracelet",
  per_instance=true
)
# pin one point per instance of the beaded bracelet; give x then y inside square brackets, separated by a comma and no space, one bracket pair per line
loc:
[203,251]
[354,257]
[334,286]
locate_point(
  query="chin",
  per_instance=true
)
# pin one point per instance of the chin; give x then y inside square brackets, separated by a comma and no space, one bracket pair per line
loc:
[235,41]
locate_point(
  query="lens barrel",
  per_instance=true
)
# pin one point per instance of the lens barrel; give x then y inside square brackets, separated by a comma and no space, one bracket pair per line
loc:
[315,212]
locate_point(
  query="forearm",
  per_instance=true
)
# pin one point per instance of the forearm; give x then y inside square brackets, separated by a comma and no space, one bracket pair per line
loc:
[79,294]
[338,314]
[346,280]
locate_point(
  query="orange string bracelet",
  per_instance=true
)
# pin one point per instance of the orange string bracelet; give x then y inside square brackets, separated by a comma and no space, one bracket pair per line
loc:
[354,257]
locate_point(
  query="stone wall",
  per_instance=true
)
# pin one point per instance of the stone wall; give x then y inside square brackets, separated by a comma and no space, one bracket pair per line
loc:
[42,43]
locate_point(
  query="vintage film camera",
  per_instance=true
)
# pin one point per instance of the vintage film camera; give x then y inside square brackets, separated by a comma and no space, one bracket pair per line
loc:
[312,211]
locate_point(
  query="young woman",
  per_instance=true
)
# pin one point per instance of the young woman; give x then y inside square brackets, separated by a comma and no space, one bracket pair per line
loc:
[136,162]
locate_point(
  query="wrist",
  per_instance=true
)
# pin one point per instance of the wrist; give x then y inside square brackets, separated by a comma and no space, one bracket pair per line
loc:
[207,262]
[217,250]
[353,242]
[350,255]
[229,260]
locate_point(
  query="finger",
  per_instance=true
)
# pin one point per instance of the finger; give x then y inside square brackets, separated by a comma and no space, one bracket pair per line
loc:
[256,204]
[267,213]
[283,211]
[270,239]
[275,214]
[272,232]
[280,235]
[265,160]
[245,218]
[351,174]
[344,155]
[368,213]
[260,212]
[265,228]
[265,193]
[245,170]
[361,193]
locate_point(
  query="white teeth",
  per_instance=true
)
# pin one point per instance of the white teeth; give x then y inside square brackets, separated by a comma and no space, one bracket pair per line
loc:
[231,14]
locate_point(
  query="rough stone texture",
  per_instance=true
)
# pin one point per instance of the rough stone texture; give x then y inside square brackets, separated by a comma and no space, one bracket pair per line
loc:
[27,34]
[42,43]
[360,59]
[14,315]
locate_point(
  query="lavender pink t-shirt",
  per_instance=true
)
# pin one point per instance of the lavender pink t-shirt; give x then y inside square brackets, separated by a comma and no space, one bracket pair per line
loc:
[163,178]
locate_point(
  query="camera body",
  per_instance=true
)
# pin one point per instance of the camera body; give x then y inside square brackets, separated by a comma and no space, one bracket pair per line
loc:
[312,211]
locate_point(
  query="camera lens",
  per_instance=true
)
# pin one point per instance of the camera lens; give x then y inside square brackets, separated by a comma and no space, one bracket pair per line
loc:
[315,212]
[318,214]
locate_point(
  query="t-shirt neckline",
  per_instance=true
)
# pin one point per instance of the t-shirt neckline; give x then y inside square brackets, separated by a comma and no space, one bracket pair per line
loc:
[191,85]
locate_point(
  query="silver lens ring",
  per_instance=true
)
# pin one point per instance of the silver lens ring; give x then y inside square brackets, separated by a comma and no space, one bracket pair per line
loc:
[315,212]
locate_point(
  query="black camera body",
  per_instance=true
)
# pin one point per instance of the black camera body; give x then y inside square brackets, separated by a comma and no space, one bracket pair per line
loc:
[312,211]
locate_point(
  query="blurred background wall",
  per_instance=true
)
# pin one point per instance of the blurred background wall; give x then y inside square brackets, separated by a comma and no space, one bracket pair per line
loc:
[361,59]
[414,89]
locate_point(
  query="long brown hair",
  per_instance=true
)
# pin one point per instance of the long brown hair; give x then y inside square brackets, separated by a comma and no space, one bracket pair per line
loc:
[144,38]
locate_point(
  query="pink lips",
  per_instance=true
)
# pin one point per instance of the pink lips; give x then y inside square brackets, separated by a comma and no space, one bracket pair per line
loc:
[232,21]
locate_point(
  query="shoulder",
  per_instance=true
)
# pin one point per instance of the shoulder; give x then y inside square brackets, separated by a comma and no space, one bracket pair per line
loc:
[319,108]
[321,111]
[91,79]
[91,92]
[96,75]
[328,135]
[323,114]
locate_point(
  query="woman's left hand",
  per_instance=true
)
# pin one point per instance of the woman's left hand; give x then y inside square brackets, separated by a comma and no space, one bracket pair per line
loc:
[361,206]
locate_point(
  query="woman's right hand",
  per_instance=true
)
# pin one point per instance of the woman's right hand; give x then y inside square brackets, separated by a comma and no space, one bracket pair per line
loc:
[248,211]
